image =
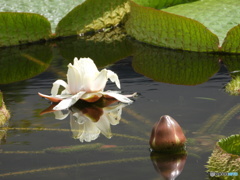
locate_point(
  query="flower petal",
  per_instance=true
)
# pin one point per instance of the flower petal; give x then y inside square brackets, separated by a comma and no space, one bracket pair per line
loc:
[91,97]
[86,65]
[119,97]
[56,85]
[50,98]
[74,78]
[99,82]
[114,78]
[59,115]
[66,103]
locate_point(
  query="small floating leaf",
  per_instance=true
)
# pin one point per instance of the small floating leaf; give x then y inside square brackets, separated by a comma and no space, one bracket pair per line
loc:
[22,28]
[231,144]
[226,155]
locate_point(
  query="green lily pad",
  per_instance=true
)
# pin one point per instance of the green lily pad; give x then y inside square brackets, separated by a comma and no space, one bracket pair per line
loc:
[53,10]
[20,63]
[169,30]
[159,4]
[22,28]
[225,157]
[219,16]
[231,42]
[231,144]
[175,67]
[91,16]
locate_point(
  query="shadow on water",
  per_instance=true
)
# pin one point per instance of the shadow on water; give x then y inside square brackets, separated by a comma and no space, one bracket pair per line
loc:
[39,146]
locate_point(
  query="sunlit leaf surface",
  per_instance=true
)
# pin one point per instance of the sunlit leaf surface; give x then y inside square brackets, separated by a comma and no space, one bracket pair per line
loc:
[219,16]
[92,15]
[22,28]
[169,30]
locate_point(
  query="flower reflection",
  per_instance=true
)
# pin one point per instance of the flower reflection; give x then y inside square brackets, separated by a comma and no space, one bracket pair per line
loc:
[169,166]
[85,82]
[89,120]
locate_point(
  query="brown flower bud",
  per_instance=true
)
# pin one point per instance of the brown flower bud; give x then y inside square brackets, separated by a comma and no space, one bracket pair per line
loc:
[167,136]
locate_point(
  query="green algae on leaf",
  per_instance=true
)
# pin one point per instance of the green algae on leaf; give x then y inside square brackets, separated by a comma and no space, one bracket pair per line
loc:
[92,15]
[22,28]
[165,29]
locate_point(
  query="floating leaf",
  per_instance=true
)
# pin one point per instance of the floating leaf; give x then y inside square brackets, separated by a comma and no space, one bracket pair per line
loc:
[225,156]
[158,4]
[53,10]
[231,144]
[19,63]
[231,42]
[22,28]
[165,29]
[92,15]
[175,67]
[219,16]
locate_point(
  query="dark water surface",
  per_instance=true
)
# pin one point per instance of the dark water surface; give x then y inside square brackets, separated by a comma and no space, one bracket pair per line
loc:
[187,86]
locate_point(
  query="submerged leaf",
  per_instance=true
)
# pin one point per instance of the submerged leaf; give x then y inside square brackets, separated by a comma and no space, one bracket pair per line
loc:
[22,28]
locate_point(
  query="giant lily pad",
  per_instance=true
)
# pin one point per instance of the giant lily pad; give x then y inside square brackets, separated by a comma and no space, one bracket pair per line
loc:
[165,29]
[91,16]
[22,28]
[197,26]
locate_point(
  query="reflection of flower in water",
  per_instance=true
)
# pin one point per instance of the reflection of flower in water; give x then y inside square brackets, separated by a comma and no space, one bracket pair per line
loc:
[88,120]
[87,129]
[85,82]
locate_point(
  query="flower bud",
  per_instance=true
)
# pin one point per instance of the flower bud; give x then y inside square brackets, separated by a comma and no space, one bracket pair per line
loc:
[167,136]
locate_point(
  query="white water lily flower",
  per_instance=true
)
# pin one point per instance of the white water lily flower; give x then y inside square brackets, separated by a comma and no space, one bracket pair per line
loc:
[85,82]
